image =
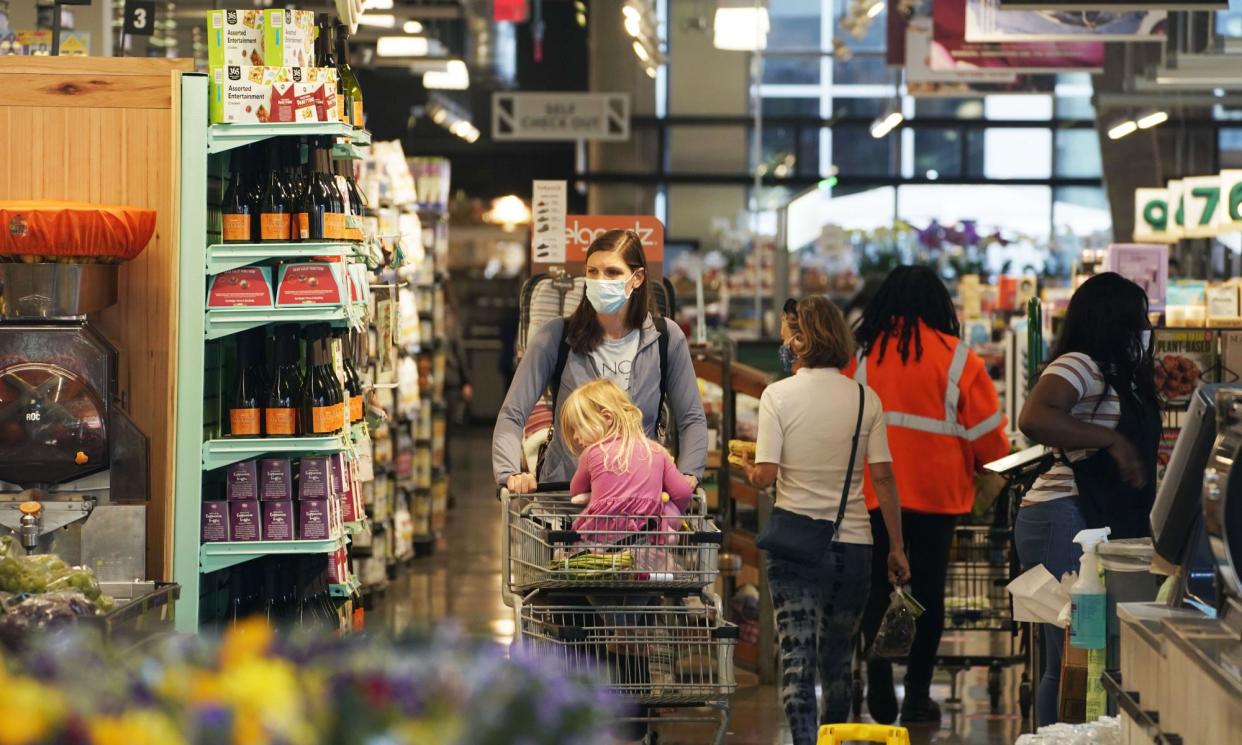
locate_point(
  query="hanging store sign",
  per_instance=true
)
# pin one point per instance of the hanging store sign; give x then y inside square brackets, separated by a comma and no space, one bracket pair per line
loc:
[139,17]
[511,11]
[986,21]
[1151,216]
[1230,201]
[1193,207]
[951,50]
[560,116]
[549,202]
[1114,5]
[581,230]
[1200,206]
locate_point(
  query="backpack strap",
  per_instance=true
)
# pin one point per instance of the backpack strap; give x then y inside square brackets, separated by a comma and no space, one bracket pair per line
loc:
[849,469]
[554,387]
[661,324]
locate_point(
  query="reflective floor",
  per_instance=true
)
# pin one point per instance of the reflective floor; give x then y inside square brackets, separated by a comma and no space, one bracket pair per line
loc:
[460,584]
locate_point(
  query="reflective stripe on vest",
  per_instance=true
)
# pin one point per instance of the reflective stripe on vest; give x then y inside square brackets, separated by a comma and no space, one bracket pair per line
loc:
[952,394]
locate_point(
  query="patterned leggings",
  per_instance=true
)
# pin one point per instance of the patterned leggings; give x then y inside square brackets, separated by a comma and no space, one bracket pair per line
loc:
[818,609]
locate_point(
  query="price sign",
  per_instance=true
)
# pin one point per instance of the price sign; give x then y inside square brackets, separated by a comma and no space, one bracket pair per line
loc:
[1201,202]
[1151,216]
[139,17]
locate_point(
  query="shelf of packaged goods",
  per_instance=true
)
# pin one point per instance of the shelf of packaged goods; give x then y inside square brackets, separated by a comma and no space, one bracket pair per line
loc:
[222,322]
[347,590]
[222,257]
[226,451]
[348,151]
[213,557]
[224,137]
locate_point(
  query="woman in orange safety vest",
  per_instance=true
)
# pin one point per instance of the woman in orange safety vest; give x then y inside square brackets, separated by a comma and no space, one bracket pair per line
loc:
[944,423]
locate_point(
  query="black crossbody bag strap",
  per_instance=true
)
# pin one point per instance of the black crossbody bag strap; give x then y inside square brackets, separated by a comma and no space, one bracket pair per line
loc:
[849,468]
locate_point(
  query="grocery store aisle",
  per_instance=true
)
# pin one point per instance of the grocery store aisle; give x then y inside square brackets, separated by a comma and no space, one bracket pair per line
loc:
[460,583]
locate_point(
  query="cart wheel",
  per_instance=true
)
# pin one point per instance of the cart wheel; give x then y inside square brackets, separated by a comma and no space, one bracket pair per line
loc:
[994,688]
[1025,699]
[858,691]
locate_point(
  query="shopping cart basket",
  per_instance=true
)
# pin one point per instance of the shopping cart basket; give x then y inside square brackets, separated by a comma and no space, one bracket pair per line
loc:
[542,550]
[652,651]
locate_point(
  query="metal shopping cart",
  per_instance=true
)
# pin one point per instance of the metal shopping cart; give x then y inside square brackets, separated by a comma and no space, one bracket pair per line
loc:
[628,607]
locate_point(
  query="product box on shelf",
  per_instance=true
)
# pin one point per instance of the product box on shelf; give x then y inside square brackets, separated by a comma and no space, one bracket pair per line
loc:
[250,94]
[276,477]
[314,519]
[247,287]
[1223,309]
[234,37]
[314,478]
[241,481]
[278,520]
[310,283]
[245,520]
[288,38]
[215,523]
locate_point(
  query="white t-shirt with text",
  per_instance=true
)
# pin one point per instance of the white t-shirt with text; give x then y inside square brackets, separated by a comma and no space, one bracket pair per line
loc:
[614,358]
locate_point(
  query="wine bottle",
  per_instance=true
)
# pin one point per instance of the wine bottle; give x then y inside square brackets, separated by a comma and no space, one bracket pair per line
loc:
[246,395]
[347,207]
[347,80]
[335,371]
[274,214]
[300,220]
[254,184]
[280,415]
[237,209]
[318,202]
[320,403]
[353,382]
[327,58]
[334,217]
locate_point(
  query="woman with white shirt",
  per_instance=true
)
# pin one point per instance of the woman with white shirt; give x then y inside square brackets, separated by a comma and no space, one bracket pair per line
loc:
[809,427]
[1096,405]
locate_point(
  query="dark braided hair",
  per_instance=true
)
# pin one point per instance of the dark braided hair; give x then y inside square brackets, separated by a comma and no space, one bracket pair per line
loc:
[909,294]
[1105,321]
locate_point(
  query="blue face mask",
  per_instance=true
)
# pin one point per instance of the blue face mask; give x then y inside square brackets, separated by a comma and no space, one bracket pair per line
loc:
[787,358]
[607,295]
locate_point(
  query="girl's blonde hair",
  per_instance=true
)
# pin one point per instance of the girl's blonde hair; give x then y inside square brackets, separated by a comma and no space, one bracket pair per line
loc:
[599,411]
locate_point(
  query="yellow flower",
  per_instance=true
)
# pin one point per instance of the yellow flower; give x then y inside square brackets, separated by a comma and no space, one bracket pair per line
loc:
[267,699]
[246,640]
[29,711]
[136,727]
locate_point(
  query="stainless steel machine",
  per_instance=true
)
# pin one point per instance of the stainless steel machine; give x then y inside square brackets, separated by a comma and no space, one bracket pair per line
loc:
[73,466]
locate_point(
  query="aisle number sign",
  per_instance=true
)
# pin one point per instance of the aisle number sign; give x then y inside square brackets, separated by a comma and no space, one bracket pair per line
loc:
[1194,207]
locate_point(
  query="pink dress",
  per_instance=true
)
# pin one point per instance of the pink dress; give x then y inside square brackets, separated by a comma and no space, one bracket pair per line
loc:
[636,492]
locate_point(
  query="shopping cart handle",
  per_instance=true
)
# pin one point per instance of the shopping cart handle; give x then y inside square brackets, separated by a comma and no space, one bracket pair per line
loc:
[727,632]
[563,536]
[707,536]
[551,486]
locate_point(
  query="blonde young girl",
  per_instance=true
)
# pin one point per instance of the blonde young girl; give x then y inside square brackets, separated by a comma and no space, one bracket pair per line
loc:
[623,471]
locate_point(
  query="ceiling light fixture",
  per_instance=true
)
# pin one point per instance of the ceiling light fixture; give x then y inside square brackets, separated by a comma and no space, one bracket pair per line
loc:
[402,46]
[379,20]
[508,212]
[641,50]
[1152,119]
[455,78]
[741,25]
[651,72]
[631,11]
[412,27]
[1122,128]
[886,123]
[633,25]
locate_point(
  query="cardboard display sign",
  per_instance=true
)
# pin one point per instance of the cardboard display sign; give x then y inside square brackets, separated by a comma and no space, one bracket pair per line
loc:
[581,230]
[547,234]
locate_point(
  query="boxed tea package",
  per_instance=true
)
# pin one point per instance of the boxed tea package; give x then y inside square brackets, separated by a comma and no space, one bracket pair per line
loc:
[245,520]
[276,479]
[234,37]
[242,480]
[247,287]
[310,283]
[314,478]
[288,38]
[314,520]
[215,525]
[278,520]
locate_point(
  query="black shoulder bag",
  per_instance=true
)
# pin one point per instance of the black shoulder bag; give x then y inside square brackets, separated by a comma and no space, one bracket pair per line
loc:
[796,537]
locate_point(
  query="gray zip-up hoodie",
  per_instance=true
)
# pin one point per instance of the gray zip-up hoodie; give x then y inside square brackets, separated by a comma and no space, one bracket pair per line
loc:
[535,372]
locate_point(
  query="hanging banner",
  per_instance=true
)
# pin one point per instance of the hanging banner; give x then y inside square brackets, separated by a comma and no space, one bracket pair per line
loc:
[985,21]
[1200,206]
[1151,216]
[950,49]
[1114,5]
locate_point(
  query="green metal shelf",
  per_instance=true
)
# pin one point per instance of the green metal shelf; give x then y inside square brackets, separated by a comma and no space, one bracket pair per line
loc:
[222,322]
[222,257]
[216,556]
[347,151]
[361,136]
[349,589]
[224,137]
[227,451]
[358,526]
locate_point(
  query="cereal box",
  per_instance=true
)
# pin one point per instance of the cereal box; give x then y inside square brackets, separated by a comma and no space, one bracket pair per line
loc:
[234,37]
[288,38]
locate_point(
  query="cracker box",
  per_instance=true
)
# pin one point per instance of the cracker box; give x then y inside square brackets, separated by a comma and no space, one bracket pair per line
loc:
[264,95]
[309,283]
[247,286]
[234,37]
[288,38]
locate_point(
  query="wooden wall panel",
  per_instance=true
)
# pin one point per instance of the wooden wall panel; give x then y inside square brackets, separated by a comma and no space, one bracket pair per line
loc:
[105,130]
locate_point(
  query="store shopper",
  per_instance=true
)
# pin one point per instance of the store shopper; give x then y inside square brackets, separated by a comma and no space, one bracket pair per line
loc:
[1096,405]
[614,334]
[944,423]
[808,423]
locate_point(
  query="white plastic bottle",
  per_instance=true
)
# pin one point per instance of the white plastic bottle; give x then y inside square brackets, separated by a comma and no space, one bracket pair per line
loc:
[1089,627]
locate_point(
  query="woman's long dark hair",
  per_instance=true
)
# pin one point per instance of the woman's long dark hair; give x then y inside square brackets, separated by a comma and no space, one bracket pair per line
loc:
[1106,316]
[909,294]
[584,332]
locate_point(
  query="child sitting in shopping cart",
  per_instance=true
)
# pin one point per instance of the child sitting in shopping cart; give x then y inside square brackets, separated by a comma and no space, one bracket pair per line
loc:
[624,473]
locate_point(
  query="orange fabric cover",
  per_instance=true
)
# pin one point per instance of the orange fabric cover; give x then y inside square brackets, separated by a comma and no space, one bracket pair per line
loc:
[50,228]
[935,472]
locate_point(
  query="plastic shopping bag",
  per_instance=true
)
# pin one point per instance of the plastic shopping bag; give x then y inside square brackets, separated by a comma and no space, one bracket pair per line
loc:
[896,634]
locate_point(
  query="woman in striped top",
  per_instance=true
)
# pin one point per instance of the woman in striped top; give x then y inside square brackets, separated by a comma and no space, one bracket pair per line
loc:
[1097,395]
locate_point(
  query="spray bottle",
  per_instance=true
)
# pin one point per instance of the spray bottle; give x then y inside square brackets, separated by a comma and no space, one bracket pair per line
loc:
[1088,628]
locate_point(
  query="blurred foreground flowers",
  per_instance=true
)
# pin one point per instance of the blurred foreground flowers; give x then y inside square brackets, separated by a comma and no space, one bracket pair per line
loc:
[252,688]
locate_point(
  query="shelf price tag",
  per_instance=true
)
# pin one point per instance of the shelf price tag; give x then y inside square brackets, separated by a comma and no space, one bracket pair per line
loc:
[139,17]
[1202,203]
[1151,216]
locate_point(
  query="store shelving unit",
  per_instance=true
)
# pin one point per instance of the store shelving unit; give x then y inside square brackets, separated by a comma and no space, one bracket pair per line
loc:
[199,449]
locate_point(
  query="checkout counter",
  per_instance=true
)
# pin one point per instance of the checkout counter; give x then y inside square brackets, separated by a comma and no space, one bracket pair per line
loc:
[1180,674]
